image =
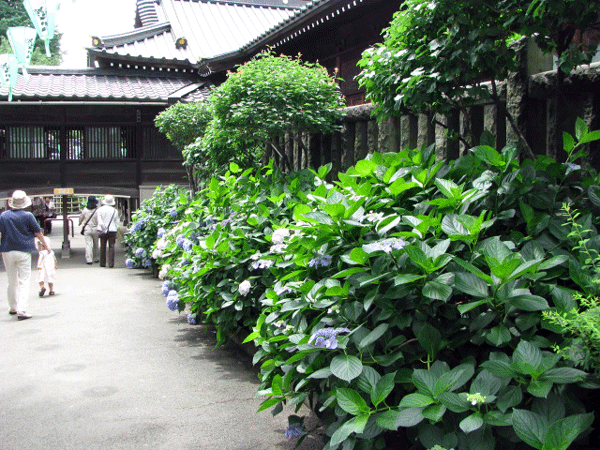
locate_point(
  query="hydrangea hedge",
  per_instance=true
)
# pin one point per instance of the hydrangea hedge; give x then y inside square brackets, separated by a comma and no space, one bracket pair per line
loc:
[150,222]
[404,303]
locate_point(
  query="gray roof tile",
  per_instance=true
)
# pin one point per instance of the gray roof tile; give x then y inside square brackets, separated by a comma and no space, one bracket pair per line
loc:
[211,27]
[53,84]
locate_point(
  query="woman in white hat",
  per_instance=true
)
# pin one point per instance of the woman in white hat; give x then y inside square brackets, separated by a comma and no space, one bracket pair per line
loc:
[108,224]
[19,230]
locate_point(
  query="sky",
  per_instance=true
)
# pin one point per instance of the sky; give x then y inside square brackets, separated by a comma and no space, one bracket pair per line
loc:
[79,20]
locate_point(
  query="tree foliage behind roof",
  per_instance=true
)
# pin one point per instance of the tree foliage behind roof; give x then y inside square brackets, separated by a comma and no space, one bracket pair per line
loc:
[437,52]
[13,14]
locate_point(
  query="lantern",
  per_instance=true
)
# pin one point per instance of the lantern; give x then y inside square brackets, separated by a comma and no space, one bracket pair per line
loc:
[8,72]
[22,40]
[43,16]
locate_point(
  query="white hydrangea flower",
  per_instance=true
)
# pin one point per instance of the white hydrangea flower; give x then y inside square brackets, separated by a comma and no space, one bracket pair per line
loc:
[161,243]
[163,271]
[279,236]
[244,287]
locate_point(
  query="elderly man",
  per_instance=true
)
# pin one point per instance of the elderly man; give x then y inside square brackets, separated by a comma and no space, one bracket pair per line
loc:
[108,225]
[19,229]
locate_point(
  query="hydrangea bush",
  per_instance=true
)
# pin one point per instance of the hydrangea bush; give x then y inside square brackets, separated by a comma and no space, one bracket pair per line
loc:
[148,224]
[230,236]
[425,325]
[404,302]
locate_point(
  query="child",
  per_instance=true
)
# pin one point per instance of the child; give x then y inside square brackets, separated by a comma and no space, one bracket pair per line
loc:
[46,266]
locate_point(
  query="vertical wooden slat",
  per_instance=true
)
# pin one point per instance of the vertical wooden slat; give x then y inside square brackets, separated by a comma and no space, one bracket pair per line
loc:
[347,145]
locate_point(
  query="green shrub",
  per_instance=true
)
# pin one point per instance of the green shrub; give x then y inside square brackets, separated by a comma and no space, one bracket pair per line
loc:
[404,303]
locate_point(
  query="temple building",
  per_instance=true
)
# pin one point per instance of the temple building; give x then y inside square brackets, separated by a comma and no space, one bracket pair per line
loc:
[93,129]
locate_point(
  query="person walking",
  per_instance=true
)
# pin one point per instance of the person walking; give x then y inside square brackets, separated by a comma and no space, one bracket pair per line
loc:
[39,210]
[108,224]
[47,266]
[19,229]
[49,213]
[89,219]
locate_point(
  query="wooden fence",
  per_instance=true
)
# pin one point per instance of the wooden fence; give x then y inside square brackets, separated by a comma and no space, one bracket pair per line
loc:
[532,100]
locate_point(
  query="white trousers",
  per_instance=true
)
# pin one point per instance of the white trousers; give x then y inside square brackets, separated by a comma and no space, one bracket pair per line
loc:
[18,272]
[91,246]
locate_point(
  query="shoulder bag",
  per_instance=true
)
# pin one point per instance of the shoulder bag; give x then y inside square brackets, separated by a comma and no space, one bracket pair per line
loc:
[88,221]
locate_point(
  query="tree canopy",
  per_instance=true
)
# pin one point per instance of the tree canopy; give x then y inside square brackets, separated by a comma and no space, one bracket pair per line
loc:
[13,14]
[264,100]
[442,55]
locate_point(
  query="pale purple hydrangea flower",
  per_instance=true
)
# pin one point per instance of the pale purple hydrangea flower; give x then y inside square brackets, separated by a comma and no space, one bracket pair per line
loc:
[160,232]
[317,261]
[186,262]
[262,264]
[278,248]
[191,319]
[129,263]
[283,289]
[147,262]
[179,240]
[572,168]
[326,337]
[173,300]
[391,244]
[173,212]
[140,252]
[295,430]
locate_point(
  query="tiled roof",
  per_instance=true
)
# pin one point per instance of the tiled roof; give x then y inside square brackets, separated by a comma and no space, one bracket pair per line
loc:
[212,28]
[53,84]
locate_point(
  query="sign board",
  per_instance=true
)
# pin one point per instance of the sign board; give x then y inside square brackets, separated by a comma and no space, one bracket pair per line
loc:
[63,191]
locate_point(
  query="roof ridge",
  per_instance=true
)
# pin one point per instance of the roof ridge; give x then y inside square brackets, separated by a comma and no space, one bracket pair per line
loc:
[131,36]
[147,12]
[282,4]
[308,7]
[108,72]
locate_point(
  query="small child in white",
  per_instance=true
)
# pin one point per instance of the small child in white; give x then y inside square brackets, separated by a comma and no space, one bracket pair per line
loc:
[46,265]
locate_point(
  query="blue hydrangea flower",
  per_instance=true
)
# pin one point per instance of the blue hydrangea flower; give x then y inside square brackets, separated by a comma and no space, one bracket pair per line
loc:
[191,319]
[317,261]
[160,233]
[140,252]
[187,245]
[147,262]
[186,262]
[167,286]
[173,300]
[326,337]
[129,263]
[136,227]
[294,430]
[179,240]
[173,212]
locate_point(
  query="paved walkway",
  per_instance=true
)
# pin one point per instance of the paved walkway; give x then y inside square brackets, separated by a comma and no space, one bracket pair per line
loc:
[104,365]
